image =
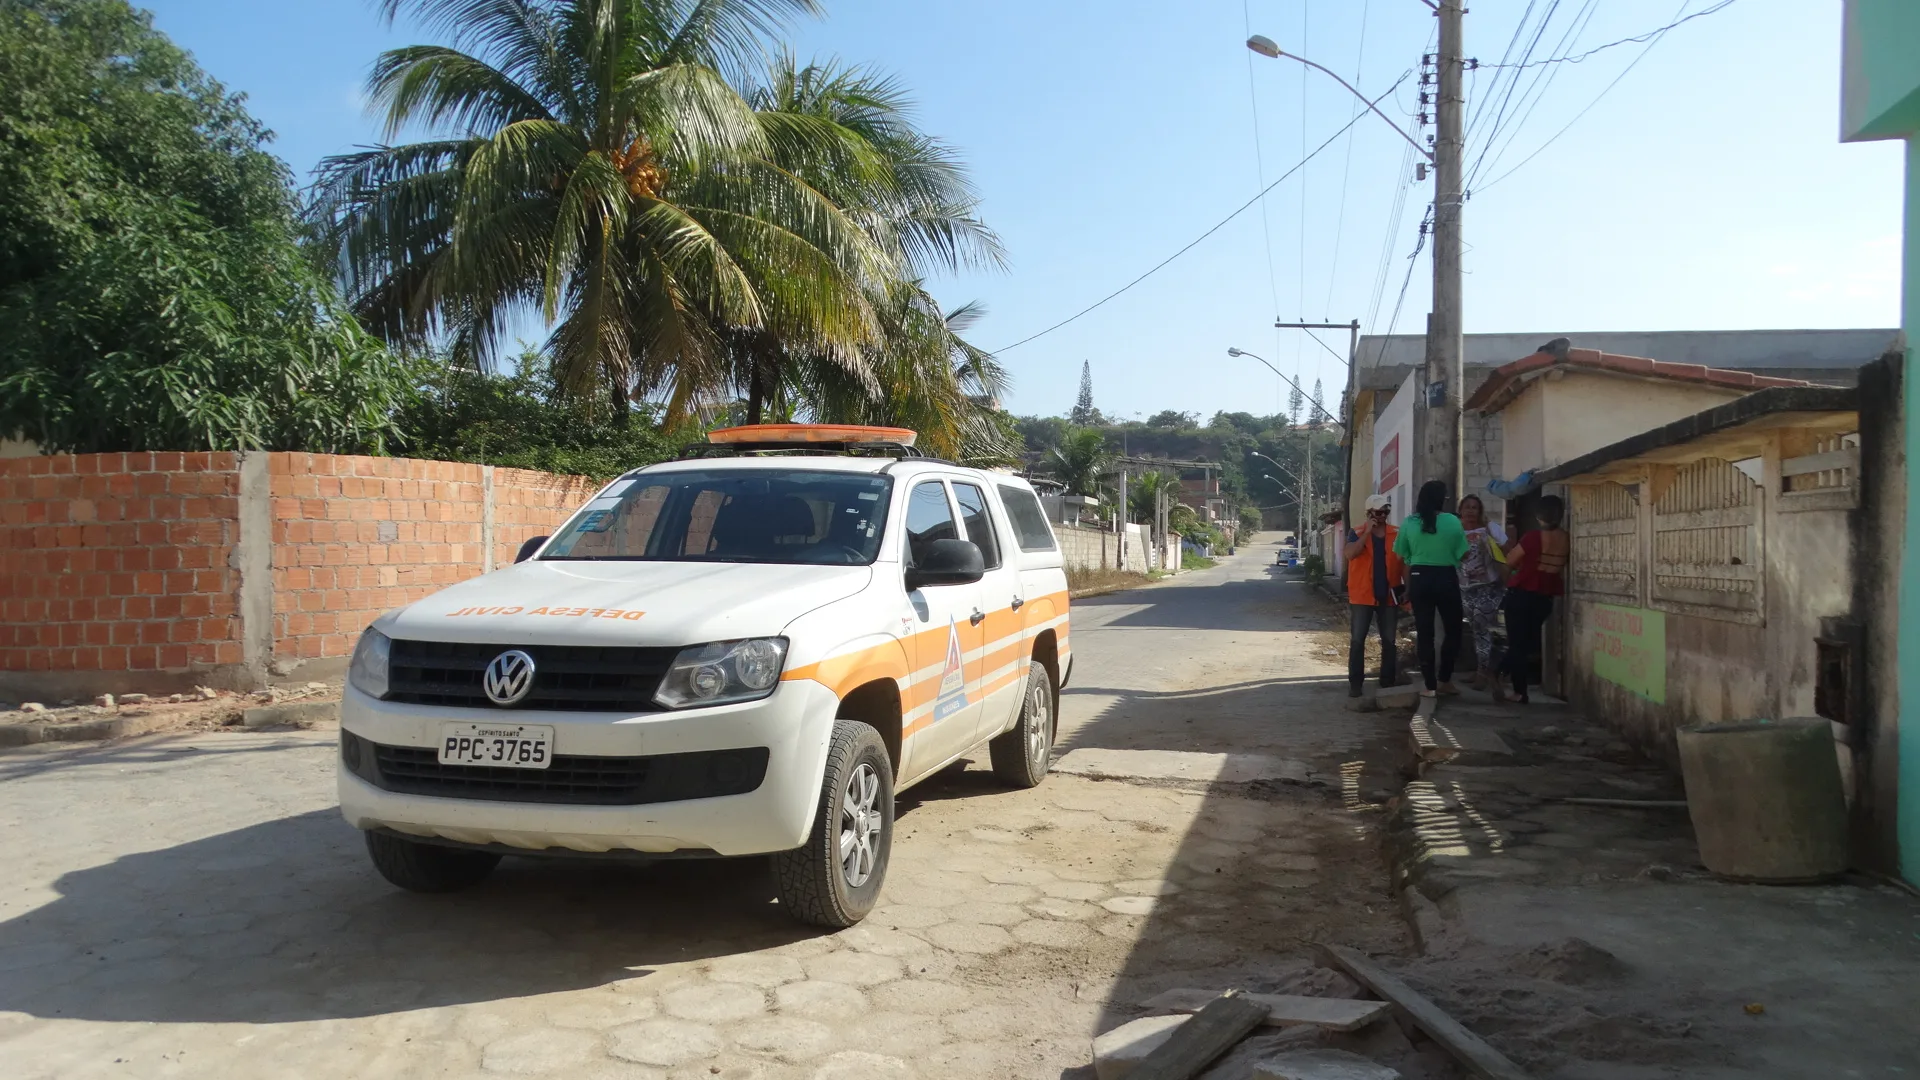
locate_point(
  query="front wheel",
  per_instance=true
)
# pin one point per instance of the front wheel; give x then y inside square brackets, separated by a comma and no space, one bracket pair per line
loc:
[834,880]
[1022,755]
[428,868]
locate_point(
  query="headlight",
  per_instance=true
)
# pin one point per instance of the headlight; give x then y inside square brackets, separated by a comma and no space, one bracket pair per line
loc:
[368,671]
[723,672]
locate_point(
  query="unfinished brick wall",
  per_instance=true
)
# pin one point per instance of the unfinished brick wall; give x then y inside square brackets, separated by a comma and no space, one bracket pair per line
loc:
[527,504]
[118,563]
[131,571]
[356,536]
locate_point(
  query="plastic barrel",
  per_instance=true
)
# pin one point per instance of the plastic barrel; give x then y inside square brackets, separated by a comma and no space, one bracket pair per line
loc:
[1765,799]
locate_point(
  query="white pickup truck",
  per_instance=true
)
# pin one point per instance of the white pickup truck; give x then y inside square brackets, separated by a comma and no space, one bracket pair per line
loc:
[748,651]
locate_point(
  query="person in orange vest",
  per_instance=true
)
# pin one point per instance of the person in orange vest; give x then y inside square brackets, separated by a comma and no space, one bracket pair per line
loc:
[1375,585]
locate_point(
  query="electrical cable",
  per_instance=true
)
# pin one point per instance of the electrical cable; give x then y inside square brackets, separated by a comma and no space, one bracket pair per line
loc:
[1195,242]
[1638,38]
[1583,112]
[1530,98]
[1260,160]
[1346,174]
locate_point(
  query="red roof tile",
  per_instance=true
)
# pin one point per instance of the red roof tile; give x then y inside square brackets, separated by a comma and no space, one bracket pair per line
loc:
[1506,382]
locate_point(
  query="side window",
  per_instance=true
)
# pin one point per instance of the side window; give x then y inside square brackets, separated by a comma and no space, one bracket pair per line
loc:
[1029,521]
[929,518]
[973,512]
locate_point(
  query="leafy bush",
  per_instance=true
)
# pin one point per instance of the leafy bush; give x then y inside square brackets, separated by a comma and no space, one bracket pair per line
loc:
[153,294]
[524,421]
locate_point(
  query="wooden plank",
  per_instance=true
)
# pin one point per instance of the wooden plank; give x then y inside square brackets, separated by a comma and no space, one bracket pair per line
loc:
[1334,1014]
[1471,1049]
[1195,1044]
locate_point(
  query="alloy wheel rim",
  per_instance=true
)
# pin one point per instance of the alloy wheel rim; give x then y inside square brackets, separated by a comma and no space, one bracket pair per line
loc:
[860,822]
[1039,722]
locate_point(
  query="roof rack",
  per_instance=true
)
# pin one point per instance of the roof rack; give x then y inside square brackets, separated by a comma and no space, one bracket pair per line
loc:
[809,447]
[840,439]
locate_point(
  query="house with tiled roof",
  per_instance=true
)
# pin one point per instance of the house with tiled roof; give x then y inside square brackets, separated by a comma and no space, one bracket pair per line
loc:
[1560,402]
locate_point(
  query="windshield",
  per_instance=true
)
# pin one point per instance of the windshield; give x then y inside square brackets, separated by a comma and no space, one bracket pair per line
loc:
[732,515]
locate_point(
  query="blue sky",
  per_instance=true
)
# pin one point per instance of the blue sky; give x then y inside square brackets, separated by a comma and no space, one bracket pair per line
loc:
[1706,190]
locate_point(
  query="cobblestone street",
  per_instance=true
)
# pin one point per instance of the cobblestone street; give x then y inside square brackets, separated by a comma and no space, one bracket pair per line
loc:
[194,906]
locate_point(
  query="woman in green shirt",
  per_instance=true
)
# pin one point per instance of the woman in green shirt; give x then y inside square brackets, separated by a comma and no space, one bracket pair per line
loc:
[1432,544]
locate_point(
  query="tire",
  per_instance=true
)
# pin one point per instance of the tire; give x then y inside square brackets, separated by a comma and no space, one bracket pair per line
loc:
[815,884]
[428,868]
[1022,755]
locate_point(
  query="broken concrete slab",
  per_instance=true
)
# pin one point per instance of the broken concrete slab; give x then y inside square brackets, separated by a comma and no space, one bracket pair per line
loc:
[1120,1051]
[1322,1065]
[1181,765]
[1334,1014]
[1374,699]
[291,714]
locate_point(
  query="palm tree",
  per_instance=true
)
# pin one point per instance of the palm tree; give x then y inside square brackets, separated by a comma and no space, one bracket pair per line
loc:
[595,164]
[1081,459]
[847,132]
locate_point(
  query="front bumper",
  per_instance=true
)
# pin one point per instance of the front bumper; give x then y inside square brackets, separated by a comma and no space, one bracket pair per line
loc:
[794,724]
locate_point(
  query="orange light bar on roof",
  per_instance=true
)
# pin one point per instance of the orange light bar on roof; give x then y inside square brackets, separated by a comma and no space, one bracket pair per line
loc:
[813,433]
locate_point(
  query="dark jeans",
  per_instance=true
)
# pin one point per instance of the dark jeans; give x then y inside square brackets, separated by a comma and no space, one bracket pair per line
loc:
[1366,616]
[1526,614]
[1436,591]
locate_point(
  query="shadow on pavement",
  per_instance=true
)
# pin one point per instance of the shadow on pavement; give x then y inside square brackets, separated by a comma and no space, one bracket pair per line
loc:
[1260,870]
[287,920]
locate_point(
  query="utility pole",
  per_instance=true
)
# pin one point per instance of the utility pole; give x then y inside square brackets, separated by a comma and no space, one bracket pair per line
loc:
[1446,371]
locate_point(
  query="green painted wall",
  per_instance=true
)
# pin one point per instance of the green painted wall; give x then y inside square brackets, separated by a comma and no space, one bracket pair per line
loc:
[1909,738]
[1880,64]
[1880,99]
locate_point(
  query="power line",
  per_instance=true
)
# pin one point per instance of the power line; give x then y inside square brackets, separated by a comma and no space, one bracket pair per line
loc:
[1531,97]
[1260,159]
[1590,106]
[1346,174]
[1195,242]
[1636,39]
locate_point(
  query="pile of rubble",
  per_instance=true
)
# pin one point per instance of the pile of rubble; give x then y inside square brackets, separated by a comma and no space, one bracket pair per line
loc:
[1354,1020]
[113,716]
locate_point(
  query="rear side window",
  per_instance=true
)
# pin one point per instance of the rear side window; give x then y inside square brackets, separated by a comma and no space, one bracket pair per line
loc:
[929,518]
[973,511]
[1029,522]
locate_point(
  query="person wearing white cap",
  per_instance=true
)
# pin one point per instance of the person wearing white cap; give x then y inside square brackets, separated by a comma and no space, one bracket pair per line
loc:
[1374,579]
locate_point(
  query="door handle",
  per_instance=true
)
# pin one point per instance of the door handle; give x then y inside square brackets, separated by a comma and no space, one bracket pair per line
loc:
[977,617]
[1018,603]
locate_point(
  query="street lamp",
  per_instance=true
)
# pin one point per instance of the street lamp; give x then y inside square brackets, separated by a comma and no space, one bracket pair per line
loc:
[1265,46]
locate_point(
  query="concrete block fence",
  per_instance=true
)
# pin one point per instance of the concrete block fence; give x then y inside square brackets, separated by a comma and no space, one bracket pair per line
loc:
[160,571]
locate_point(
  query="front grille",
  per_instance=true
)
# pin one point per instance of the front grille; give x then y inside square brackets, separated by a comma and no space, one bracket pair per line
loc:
[589,678]
[572,778]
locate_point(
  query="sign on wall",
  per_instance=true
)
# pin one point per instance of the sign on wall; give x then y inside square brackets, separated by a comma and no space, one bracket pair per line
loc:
[1629,649]
[1389,465]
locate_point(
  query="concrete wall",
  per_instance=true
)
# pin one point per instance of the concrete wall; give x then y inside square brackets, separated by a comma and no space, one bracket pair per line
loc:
[1569,413]
[158,571]
[1099,549]
[1876,554]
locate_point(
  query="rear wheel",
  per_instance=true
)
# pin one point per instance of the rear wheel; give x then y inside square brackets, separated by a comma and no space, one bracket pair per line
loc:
[834,879]
[428,868]
[1022,755]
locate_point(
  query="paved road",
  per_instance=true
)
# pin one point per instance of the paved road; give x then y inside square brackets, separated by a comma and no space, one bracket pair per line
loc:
[192,906]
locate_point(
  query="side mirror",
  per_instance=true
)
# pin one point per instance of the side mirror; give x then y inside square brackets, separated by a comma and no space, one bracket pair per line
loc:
[527,549]
[947,562]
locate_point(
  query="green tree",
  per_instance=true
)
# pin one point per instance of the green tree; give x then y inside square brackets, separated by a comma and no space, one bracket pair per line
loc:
[1084,414]
[1081,460]
[689,224]
[1250,522]
[1173,419]
[152,291]
[522,420]
[1142,491]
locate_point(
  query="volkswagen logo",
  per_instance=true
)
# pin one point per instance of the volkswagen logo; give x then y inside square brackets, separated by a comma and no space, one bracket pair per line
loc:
[509,678]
